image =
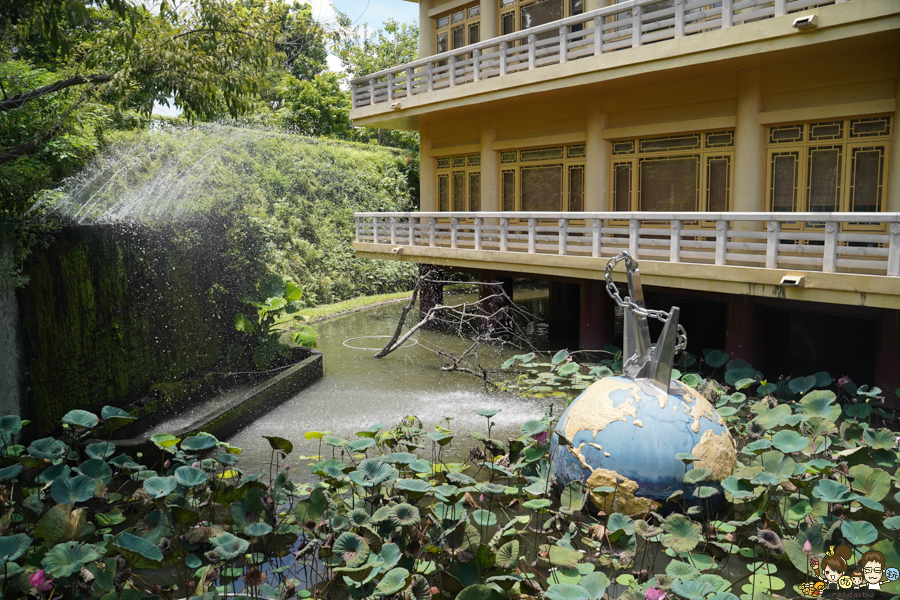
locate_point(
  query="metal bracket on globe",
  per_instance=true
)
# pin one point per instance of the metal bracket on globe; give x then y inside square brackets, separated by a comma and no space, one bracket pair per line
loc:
[645,364]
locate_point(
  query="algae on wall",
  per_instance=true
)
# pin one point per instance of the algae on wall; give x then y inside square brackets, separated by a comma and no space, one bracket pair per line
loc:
[12,385]
[110,311]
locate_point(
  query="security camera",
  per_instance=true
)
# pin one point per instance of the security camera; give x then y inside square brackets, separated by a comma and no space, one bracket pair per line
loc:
[793,281]
[397,250]
[395,105]
[807,22]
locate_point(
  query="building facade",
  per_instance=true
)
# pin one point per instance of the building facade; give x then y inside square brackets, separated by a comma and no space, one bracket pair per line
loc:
[741,149]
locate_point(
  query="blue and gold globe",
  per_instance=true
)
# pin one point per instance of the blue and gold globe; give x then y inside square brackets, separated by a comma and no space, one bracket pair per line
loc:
[625,438]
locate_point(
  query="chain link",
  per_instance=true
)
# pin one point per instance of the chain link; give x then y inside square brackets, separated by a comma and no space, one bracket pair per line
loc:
[628,304]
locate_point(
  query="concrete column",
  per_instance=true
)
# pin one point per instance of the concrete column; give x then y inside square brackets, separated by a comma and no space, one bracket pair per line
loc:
[742,331]
[597,161]
[887,356]
[490,19]
[426,30]
[430,293]
[749,146]
[490,167]
[596,327]
[427,178]
[893,195]
[12,355]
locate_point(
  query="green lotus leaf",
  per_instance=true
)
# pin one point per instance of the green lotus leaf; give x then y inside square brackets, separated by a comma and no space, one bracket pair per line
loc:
[65,559]
[686,457]
[405,515]
[358,516]
[47,448]
[394,580]
[681,570]
[737,488]
[66,490]
[595,584]
[859,533]
[450,511]
[277,443]
[140,553]
[681,534]
[10,472]
[882,439]
[116,415]
[566,591]
[733,375]
[164,440]
[716,358]
[334,441]
[801,385]
[416,487]
[227,459]
[872,483]
[484,518]
[696,475]
[620,522]
[507,555]
[362,574]
[892,523]
[692,590]
[870,504]
[419,587]
[10,425]
[799,511]
[568,369]
[705,491]
[353,549]
[460,479]
[13,547]
[421,466]
[563,557]
[485,412]
[765,478]
[360,445]
[229,546]
[81,419]
[777,464]
[573,496]
[192,561]
[390,555]
[757,446]
[190,476]
[533,453]
[537,504]
[96,468]
[373,471]
[258,529]
[833,492]
[441,438]
[789,441]
[403,458]
[197,443]
[820,403]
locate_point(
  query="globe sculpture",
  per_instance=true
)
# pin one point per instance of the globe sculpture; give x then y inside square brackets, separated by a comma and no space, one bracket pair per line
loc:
[623,434]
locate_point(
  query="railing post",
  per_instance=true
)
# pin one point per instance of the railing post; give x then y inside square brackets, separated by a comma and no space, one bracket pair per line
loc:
[721,241]
[478,223]
[412,231]
[451,64]
[504,234]
[410,71]
[780,8]
[634,237]
[598,36]
[390,87]
[432,231]
[893,266]
[454,232]
[372,92]
[531,41]
[476,65]
[393,230]
[636,14]
[430,71]
[595,238]
[503,47]
[727,13]
[563,236]
[675,241]
[829,258]
[774,230]
[532,233]
[358,224]
[563,44]
[375,229]
[679,18]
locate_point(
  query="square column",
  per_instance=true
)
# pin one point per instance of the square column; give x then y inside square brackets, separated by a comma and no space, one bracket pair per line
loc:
[598,153]
[749,146]
[597,324]
[490,167]
[427,178]
[426,29]
[742,330]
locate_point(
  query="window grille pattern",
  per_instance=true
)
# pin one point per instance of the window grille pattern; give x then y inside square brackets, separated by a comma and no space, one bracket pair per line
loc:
[459,183]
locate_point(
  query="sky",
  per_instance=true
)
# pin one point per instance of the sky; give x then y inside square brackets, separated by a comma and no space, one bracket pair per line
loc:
[371,12]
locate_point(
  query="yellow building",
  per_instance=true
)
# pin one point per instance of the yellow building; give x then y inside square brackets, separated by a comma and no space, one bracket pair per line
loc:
[740,149]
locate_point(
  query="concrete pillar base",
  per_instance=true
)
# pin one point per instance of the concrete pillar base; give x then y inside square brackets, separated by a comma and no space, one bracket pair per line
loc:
[887,356]
[742,339]
[430,293]
[596,327]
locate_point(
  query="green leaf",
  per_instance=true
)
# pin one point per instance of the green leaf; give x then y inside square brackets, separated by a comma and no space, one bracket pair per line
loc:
[563,557]
[487,412]
[559,357]
[532,428]
[190,476]
[691,380]
[705,491]
[48,448]
[820,403]
[360,445]
[892,523]
[13,547]
[882,439]
[197,443]
[192,562]
[390,555]
[692,590]
[872,483]
[537,504]
[566,591]
[859,533]
[139,553]
[65,559]
[116,415]
[393,581]
[96,469]
[164,440]
[681,534]
[484,518]
[681,570]
[801,385]
[732,376]
[508,554]
[229,546]
[831,491]
[278,443]
[697,474]
[595,584]
[100,450]
[789,441]
[10,472]
[405,515]
[716,358]
[258,529]
[81,419]
[620,522]
[242,323]
[573,496]
[66,490]
[415,487]
[686,457]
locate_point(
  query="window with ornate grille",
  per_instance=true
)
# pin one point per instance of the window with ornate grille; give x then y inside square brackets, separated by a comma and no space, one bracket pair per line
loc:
[549,179]
[459,183]
[458,28]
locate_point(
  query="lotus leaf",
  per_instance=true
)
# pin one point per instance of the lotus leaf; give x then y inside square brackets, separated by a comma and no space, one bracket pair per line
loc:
[373,471]
[421,466]
[334,441]
[733,375]
[316,435]
[277,443]
[794,547]
[595,584]
[801,385]
[859,533]
[680,533]
[393,581]
[686,457]
[777,464]
[449,511]
[870,504]
[192,562]
[48,448]
[13,547]
[833,492]
[490,489]
[66,490]
[705,491]
[10,425]
[460,479]
[697,474]
[682,570]
[692,590]
[892,523]
[81,419]
[164,440]
[692,380]
[65,559]
[789,441]
[487,412]
[484,518]
[508,554]
[360,445]
[190,476]
[229,546]
[140,553]
[757,447]
[716,358]
[258,529]
[405,515]
[441,438]
[566,591]
[820,403]
[198,443]
[390,555]
[620,522]
[10,472]
[537,504]
[872,483]
[882,439]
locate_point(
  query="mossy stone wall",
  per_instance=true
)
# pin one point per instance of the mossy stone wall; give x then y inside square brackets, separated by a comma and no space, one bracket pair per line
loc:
[110,312]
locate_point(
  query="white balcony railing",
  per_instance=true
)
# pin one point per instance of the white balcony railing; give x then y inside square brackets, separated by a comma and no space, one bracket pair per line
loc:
[625,25]
[826,242]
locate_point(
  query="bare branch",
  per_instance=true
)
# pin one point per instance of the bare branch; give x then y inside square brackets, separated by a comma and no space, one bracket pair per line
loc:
[20,99]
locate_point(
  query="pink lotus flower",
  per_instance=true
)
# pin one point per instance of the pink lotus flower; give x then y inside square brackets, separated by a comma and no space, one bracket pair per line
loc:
[807,547]
[196,465]
[843,381]
[167,464]
[655,594]
[39,581]
[540,438]
[287,466]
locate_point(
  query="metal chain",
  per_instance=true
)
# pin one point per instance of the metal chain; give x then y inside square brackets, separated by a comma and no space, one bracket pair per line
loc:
[629,304]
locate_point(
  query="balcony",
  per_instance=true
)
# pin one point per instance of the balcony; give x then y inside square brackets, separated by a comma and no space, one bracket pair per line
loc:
[839,258]
[624,26]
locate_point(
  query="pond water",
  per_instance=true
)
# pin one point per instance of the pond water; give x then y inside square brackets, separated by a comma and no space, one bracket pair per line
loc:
[358,391]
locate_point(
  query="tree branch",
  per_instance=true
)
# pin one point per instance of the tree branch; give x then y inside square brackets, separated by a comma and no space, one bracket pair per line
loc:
[20,99]
[34,143]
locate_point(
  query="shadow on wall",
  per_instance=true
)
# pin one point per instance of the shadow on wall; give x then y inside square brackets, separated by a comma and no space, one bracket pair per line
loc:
[12,381]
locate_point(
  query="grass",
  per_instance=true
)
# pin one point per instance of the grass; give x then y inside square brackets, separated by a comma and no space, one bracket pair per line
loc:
[328,311]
